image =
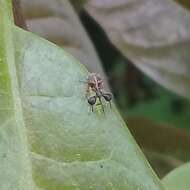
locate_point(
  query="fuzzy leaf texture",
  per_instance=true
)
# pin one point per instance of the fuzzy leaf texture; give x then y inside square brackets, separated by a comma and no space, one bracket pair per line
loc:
[48,139]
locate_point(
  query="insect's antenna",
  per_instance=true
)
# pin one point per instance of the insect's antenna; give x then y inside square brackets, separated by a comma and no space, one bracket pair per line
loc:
[83,81]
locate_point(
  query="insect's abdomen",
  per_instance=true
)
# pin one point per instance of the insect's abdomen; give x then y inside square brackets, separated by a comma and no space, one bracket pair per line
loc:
[98,106]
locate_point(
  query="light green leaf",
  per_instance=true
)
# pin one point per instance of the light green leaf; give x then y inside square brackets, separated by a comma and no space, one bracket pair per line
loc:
[153,34]
[15,167]
[178,179]
[45,124]
[72,148]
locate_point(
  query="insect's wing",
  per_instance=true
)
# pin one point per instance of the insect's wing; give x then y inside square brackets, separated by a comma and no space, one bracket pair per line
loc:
[107,96]
[92,100]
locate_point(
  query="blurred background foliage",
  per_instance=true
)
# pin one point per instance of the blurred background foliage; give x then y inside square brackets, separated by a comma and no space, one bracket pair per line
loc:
[141,48]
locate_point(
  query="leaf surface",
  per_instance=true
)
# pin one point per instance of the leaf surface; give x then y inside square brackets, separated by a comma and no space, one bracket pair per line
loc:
[49,139]
[15,168]
[72,148]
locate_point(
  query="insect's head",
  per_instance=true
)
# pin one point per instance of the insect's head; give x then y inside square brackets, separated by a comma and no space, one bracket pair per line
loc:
[94,81]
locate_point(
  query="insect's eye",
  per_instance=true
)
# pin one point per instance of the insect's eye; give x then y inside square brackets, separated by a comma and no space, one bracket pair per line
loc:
[107,96]
[92,100]
[92,84]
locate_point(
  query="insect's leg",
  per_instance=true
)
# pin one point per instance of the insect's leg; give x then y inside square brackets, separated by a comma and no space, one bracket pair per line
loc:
[92,108]
[110,104]
[101,104]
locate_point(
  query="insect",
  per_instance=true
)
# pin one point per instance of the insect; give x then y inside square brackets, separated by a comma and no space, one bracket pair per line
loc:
[96,90]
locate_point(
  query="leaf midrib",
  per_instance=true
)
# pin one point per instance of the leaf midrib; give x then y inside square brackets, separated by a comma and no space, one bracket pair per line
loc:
[6,37]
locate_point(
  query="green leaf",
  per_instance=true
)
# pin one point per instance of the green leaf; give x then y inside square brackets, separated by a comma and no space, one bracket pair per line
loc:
[15,166]
[178,179]
[72,148]
[45,124]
